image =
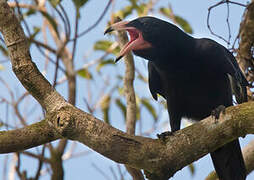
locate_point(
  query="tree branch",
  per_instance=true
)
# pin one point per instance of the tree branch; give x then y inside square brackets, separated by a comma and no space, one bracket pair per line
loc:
[135,151]
[27,137]
[130,98]
[245,50]
[155,156]
[139,152]
[22,65]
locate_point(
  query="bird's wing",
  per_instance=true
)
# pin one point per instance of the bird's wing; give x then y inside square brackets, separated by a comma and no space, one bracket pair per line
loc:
[154,81]
[237,79]
[226,63]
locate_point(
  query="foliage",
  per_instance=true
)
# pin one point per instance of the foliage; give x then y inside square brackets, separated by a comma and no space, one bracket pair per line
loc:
[177,19]
[54,43]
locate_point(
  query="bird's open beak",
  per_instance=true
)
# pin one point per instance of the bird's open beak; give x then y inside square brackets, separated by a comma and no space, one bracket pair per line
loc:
[117,26]
[136,39]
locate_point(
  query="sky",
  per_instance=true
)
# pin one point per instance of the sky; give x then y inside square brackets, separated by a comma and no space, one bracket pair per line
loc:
[90,165]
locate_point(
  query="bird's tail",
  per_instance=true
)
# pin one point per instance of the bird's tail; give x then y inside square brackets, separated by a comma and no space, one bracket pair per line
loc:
[228,162]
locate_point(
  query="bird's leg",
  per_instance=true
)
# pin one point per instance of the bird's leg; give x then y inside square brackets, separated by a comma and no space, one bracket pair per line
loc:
[164,175]
[164,135]
[175,123]
[217,111]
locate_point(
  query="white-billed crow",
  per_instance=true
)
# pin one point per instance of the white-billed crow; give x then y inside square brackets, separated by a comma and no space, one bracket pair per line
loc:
[195,76]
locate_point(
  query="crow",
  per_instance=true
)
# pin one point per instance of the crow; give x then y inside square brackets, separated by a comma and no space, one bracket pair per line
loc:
[197,77]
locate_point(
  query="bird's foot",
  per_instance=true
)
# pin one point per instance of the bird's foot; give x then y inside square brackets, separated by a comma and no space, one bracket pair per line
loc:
[164,135]
[217,111]
[162,175]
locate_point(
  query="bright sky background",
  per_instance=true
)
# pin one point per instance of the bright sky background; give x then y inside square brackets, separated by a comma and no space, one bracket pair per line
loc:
[195,12]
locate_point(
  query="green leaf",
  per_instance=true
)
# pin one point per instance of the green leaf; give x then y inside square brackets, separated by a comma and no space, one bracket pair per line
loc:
[150,108]
[102,45]
[1,67]
[121,91]
[3,50]
[166,12]
[121,106]
[142,78]
[36,31]
[54,3]
[104,63]
[137,107]
[105,105]
[29,12]
[140,9]
[184,24]
[127,10]
[85,74]
[191,168]
[51,21]
[177,19]
[79,3]
[105,101]
[134,3]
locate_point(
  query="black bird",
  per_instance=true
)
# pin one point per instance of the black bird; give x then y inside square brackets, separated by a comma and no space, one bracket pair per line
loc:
[195,76]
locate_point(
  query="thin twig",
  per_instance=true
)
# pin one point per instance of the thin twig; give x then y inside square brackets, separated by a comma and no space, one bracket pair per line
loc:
[56,71]
[66,25]
[36,156]
[208,23]
[38,172]
[96,22]
[67,20]
[228,25]
[75,36]
[23,19]
[227,19]
[45,46]
[101,171]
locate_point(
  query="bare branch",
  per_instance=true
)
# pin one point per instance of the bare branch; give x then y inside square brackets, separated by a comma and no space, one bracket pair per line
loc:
[24,68]
[138,152]
[96,23]
[245,50]
[130,99]
[135,151]
[227,18]
[64,120]
[27,137]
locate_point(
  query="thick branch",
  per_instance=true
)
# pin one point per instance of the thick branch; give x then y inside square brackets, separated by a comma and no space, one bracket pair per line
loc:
[27,137]
[140,152]
[246,37]
[144,153]
[245,50]
[152,155]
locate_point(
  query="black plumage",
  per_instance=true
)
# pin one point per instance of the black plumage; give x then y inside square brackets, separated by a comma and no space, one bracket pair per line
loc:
[195,76]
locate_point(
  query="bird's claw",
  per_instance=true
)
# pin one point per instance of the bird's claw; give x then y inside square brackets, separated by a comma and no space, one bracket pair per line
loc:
[217,111]
[164,135]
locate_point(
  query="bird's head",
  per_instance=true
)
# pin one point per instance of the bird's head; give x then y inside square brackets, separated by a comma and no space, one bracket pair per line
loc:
[146,36]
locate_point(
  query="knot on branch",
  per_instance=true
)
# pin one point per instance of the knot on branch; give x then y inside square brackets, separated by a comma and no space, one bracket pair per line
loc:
[64,122]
